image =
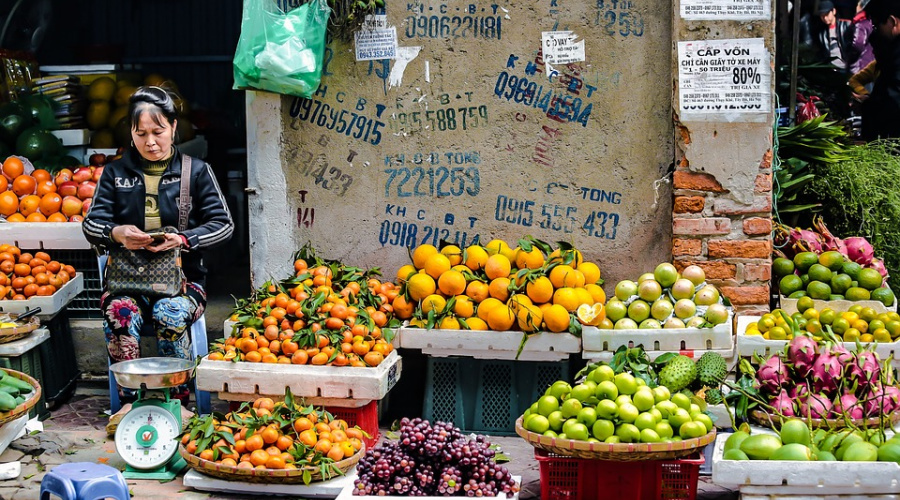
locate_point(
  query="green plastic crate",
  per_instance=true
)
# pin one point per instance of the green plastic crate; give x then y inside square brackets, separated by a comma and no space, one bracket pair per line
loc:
[30,364]
[486,396]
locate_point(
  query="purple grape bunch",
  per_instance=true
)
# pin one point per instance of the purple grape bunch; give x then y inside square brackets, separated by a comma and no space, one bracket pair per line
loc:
[432,460]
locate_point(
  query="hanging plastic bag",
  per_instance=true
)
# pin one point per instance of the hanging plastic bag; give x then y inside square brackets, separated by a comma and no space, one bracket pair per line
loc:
[281,51]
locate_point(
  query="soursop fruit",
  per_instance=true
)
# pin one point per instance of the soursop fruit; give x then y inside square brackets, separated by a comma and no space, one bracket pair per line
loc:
[678,373]
[714,397]
[711,369]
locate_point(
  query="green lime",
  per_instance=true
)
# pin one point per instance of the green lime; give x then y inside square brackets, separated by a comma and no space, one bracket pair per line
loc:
[827,316]
[884,295]
[782,267]
[851,268]
[804,303]
[818,272]
[857,293]
[840,283]
[804,260]
[790,284]
[870,279]
[798,294]
[832,260]
[818,290]
[836,296]
[805,279]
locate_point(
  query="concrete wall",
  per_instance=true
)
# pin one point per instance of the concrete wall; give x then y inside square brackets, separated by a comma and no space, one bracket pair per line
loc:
[469,135]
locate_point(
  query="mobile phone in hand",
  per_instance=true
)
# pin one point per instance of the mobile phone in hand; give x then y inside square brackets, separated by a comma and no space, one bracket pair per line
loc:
[157,236]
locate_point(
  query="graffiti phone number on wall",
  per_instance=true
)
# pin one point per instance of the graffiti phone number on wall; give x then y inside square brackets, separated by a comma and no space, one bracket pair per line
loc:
[341,121]
[598,223]
[440,119]
[406,234]
[430,182]
[454,27]
[559,107]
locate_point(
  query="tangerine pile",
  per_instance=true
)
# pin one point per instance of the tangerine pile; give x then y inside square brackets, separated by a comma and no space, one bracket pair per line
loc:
[326,314]
[42,197]
[273,435]
[531,287]
[23,275]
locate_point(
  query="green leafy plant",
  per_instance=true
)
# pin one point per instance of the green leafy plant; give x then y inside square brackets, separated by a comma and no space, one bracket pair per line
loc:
[815,141]
[791,178]
[348,16]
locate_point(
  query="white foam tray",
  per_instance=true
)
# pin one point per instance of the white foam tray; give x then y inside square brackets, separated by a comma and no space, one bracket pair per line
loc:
[790,305]
[44,235]
[347,494]
[607,356]
[307,381]
[748,344]
[50,305]
[73,137]
[323,489]
[666,339]
[861,478]
[19,347]
[542,346]
[12,430]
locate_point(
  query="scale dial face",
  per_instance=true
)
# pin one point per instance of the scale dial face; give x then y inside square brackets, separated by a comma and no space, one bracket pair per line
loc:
[147,437]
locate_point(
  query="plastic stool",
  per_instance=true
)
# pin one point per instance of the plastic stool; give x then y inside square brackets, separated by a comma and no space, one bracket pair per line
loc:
[84,481]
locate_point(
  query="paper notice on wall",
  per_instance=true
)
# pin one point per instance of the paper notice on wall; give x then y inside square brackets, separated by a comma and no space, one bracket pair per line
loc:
[724,80]
[376,40]
[562,47]
[725,10]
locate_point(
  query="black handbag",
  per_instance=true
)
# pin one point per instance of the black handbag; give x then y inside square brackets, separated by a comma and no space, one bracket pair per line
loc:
[151,274]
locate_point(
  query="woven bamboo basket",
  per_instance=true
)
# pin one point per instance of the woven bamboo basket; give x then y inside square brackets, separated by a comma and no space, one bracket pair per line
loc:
[774,421]
[254,475]
[20,331]
[619,452]
[25,407]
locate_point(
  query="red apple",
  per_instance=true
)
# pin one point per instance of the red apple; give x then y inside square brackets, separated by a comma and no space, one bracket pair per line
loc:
[68,188]
[64,175]
[97,173]
[86,190]
[85,206]
[71,205]
[76,218]
[82,174]
[97,159]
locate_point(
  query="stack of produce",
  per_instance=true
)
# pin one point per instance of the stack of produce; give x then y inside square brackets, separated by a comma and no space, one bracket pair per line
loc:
[631,406]
[433,460]
[13,391]
[23,275]
[823,380]
[39,196]
[273,436]
[25,131]
[665,299]
[859,323]
[531,287]
[327,314]
[795,442]
[827,268]
[68,94]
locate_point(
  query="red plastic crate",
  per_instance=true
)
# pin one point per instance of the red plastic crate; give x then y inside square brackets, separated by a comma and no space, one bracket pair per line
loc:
[366,417]
[567,478]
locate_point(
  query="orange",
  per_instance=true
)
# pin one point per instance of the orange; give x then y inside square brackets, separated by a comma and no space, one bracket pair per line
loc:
[436,265]
[50,204]
[540,290]
[17,217]
[13,167]
[499,288]
[308,437]
[421,254]
[323,446]
[206,454]
[4,183]
[275,463]
[23,185]
[41,175]
[556,318]
[452,283]
[57,217]
[501,318]
[347,448]
[254,442]
[567,297]
[497,266]
[477,291]
[335,453]
[29,204]
[530,260]
[403,308]
[373,358]
[319,359]
[270,435]
[259,457]
[44,187]
[9,203]
[284,442]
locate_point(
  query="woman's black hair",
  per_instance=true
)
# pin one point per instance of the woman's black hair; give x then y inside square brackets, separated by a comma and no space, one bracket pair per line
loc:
[157,101]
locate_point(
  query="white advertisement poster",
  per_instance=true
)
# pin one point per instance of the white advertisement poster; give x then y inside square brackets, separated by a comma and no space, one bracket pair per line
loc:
[562,47]
[376,40]
[725,10]
[724,80]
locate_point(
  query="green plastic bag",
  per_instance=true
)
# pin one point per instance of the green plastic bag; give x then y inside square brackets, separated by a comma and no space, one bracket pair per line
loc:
[281,51]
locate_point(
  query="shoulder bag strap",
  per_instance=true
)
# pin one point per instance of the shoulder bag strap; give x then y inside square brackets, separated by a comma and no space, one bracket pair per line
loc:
[184,198]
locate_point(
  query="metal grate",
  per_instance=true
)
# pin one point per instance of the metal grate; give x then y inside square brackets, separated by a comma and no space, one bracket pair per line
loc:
[497,398]
[443,401]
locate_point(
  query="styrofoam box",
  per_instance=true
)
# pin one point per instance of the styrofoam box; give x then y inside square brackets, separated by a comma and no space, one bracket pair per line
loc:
[321,489]
[748,344]
[19,347]
[831,478]
[607,356]
[543,346]
[10,431]
[307,381]
[73,137]
[44,235]
[50,305]
[790,305]
[667,339]
[347,494]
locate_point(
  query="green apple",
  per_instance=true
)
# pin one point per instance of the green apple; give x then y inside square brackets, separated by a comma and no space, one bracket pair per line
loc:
[623,399]
[656,414]
[581,392]
[571,407]
[547,405]
[643,399]
[607,409]
[587,416]
[664,430]
[705,420]
[538,424]
[551,434]
[629,413]
[661,393]
[606,390]
[603,429]
[679,418]
[690,430]
[612,440]
[556,420]
[645,421]
[666,408]
[649,436]
[682,400]
[625,383]
[559,389]
[578,432]
[628,433]
[602,373]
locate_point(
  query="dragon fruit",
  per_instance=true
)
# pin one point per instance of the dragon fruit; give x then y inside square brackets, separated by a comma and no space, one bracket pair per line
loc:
[772,375]
[877,402]
[826,373]
[794,240]
[859,250]
[800,391]
[843,354]
[893,395]
[878,265]
[829,241]
[848,405]
[815,406]
[802,353]
[784,404]
[864,369]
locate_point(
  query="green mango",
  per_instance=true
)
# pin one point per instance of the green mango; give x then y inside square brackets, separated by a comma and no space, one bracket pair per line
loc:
[760,446]
[793,451]
[860,451]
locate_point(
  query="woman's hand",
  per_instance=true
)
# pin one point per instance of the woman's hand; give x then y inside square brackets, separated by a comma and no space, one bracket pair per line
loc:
[131,237]
[172,240]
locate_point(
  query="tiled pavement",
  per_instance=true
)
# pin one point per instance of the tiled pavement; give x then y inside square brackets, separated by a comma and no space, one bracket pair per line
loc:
[76,432]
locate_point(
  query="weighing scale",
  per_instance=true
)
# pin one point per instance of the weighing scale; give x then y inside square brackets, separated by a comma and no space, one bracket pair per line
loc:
[147,436]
